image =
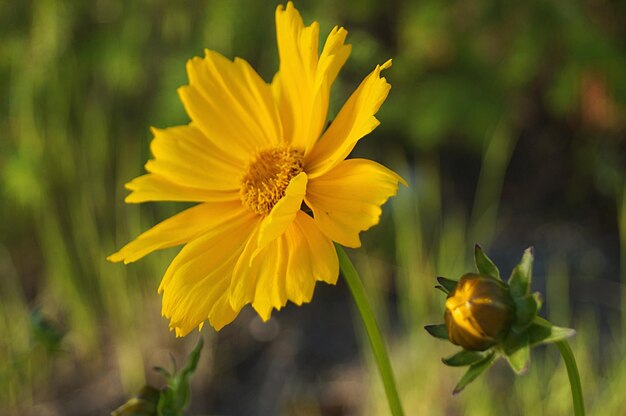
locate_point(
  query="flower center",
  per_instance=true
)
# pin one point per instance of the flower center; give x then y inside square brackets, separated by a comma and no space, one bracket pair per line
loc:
[267,177]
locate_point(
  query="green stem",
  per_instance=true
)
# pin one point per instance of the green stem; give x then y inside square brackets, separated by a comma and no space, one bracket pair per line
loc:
[373,332]
[574,377]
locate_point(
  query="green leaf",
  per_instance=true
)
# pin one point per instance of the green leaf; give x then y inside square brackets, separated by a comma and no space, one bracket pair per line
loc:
[438,331]
[519,359]
[464,357]
[176,395]
[443,289]
[168,403]
[521,275]
[172,399]
[484,265]
[474,371]
[447,284]
[543,332]
[194,357]
[526,308]
[516,350]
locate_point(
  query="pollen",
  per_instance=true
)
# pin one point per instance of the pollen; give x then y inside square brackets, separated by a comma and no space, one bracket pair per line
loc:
[267,177]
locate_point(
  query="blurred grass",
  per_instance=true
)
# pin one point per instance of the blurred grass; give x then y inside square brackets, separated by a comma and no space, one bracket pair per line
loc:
[495,108]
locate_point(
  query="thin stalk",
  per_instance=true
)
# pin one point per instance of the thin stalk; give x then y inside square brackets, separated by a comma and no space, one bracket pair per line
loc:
[373,331]
[621,212]
[574,377]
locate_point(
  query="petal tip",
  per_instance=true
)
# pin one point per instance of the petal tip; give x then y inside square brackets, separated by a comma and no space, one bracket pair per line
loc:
[130,185]
[114,258]
[131,199]
[154,130]
[264,309]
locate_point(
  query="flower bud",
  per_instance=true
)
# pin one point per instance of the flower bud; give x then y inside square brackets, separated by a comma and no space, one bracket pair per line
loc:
[478,312]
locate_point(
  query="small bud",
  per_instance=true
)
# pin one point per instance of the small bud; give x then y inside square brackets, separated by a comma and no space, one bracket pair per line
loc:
[478,312]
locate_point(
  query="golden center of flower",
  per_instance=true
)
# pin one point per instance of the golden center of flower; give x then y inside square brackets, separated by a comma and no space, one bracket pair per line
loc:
[267,177]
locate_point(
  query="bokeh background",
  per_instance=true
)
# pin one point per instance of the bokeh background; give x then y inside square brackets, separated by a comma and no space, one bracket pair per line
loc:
[506,118]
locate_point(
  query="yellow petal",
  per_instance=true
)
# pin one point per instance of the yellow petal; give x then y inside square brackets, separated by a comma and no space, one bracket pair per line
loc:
[243,283]
[285,269]
[348,199]
[231,104]
[261,280]
[312,257]
[185,156]
[334,55]
[280,218]
[303,82]
[271,271]
[152,187]
[195,286]
[355,120]
[283,213]
[179,229]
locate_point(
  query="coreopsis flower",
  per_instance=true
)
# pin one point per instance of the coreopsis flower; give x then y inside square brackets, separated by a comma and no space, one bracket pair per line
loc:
[489,318]
[273,186]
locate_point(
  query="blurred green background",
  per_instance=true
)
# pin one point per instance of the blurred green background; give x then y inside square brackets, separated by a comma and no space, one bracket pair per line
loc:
[508,120]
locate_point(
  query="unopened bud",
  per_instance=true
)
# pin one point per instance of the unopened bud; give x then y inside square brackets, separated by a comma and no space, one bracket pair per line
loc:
[478,312]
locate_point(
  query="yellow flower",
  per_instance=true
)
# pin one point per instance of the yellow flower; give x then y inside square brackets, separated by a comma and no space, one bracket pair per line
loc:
[257,158]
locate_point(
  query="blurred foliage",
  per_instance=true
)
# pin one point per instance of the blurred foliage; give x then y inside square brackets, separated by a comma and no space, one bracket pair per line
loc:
[45,332]
[475,63]
[172,399]
[474,82]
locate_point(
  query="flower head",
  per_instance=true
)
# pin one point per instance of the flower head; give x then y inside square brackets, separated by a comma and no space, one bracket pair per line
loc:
[478,312]
[258,161]
[490,318]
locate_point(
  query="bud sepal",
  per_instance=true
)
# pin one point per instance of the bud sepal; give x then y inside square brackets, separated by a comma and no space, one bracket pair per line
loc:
[489,318]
